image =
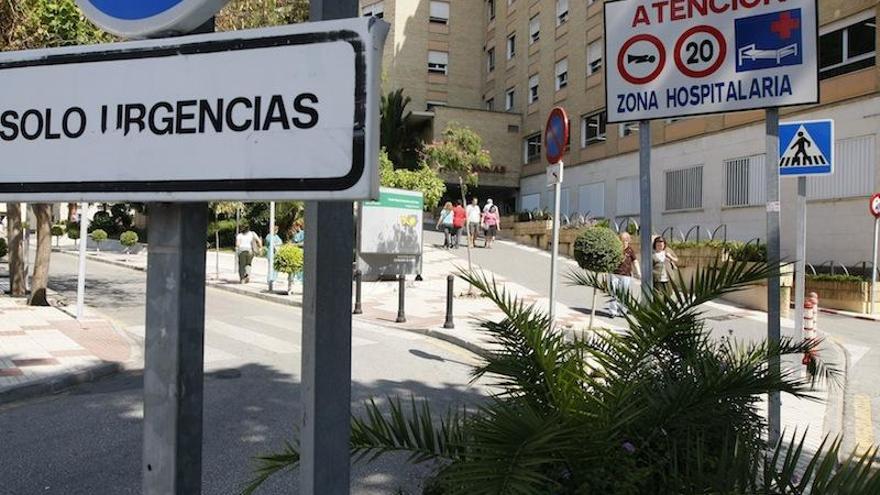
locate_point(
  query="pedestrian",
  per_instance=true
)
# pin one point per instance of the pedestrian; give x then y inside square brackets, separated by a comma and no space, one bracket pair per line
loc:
[473,221]
[445,221]
[488,206]
[622,276]
[272,242]
[663,262]
[492,221]
[247,242]
[299,234]
[459,218]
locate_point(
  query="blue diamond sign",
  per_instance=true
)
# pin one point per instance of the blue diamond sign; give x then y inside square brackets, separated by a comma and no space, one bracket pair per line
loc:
[149,18]
[806,148]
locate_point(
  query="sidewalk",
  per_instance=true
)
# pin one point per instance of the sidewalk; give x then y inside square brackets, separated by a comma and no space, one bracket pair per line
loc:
[44,350]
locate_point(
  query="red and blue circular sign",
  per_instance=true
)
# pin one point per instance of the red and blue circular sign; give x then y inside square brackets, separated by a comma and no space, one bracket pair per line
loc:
[556,135]
[149,18]
[875,205]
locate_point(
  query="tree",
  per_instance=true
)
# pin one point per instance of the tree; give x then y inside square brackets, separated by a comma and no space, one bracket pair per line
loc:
[664,408]
[289,259]
[15,236]
[459,152]
[40,281]
[57,232]
[425,179]
[399,135]
[599,250]
[128,239]
[99,236]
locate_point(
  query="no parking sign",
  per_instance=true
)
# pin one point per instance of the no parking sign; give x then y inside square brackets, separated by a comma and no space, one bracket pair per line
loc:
[675,58]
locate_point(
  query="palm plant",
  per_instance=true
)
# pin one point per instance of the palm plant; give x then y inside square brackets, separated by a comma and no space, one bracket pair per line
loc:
[661,409]
[400,135]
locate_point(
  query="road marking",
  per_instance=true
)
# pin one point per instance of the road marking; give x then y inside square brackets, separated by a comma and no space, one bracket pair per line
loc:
[864,428]
[857,352]
[250,337]
[291,324]
[215,355]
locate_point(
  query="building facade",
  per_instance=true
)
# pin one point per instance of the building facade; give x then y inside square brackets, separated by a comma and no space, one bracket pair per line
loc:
[508,62]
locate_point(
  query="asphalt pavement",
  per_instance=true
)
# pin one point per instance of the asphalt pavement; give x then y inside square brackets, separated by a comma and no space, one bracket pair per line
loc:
[88,440]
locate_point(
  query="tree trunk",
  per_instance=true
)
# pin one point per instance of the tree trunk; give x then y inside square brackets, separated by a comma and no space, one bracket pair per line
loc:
[17,275]
[593,308]
[43,212]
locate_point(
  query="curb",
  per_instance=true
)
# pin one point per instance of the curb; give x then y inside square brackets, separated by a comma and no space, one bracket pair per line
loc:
[857,316]
[432,333]
[274,298]
[105,261]
[57,384]
[838,399]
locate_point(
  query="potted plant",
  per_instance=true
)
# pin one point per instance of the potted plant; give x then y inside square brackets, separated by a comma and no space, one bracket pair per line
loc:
[289,259]
[98,235]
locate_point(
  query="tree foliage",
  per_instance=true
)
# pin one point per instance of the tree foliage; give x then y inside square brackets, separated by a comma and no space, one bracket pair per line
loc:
[28,24]
[664,408]
[251,14]
[425,180]
[598,249]
[288,259]
[399,135]
[460,152]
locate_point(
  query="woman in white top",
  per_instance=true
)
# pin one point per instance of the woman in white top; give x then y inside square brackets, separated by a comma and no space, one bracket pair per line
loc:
[663,262]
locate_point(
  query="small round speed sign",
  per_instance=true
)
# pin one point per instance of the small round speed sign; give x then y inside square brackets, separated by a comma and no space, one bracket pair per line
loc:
[875,205]
[556,135]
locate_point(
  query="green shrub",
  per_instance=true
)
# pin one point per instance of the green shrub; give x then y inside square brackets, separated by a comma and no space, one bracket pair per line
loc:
[103,221]
[57,230]
[73,230]
[128,238]
[226,228]
[289,259]
[598,249]
[4,248]
[827,277]
[747,252]
[524,216]
[99,235]
[700,244]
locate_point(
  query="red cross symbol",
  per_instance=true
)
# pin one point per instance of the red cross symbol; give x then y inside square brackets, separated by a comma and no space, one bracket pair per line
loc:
[785,25]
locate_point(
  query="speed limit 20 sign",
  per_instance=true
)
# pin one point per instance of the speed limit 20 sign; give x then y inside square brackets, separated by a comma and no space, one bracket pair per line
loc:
[672,58]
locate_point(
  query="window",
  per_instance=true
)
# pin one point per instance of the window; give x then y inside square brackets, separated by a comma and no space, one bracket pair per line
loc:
[508,100]
[533,147]
[490,59]
[374,10]
[490,104]
[591,200]
[593,128]
[744,181]
[594,57]
[439,12]
[533,89]
[561,74]
[511,46]
[628,196]
[684,189]
[490,6]
[534,30]
[561,12]
[564,200]
[848,49]
[628,128]
[437,62]
[854,177]
[530,202]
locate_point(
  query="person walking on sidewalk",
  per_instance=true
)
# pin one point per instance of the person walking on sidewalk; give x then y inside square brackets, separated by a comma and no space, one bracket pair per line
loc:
[445,221]
[663,262]
[459,218]
[247,242]
[273,242]
[473,221]
[492,221]
[622,277]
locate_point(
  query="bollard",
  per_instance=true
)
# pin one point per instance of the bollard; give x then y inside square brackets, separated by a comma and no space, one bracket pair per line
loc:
[357,293]
[401,298]
[450,280]
[814,298]
[809,320]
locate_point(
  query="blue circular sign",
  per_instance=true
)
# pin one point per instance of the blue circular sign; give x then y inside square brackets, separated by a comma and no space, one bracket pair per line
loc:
[556,135]
[149,18]
[133,11]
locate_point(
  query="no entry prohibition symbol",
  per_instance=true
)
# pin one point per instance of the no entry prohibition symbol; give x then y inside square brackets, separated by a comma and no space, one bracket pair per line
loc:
[638,56]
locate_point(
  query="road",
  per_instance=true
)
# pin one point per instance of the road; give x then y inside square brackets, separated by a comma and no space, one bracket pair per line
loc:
[88,440]
[531,268]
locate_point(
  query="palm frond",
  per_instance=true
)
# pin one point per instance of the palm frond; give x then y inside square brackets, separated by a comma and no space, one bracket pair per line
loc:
[271,465]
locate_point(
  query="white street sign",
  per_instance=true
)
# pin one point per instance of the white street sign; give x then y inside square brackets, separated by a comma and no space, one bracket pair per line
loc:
[554,174]
[676,58]
[270,114]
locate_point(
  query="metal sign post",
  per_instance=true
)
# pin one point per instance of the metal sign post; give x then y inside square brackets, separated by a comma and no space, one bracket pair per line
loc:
[875,271]
[800,267]
[774,404]
[81,271]
[556,136]
[270,248]
[646,228]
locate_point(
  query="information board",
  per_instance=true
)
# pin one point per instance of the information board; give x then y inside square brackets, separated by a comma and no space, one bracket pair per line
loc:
[390,233]
[673,58]
[269,114]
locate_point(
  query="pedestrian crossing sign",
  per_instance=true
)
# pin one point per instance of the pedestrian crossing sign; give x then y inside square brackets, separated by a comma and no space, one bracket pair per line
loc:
[806,148]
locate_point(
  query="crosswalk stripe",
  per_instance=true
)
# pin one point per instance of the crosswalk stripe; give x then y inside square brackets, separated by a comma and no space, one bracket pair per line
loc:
[251,338]
[282,323]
